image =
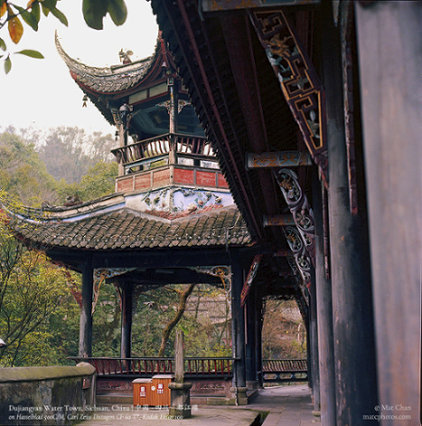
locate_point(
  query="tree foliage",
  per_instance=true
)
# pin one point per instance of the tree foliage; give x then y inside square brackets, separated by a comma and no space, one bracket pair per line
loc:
[22,173]
[284,333]
[97,182]
[33,293]
[15,16]
[68,152]
[64,163]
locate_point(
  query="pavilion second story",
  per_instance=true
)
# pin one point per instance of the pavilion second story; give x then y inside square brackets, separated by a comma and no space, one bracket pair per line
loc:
[160,143]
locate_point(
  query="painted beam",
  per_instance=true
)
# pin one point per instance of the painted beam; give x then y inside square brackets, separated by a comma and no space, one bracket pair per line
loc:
[277,159]
[279,220]
[222,5]
[150,258]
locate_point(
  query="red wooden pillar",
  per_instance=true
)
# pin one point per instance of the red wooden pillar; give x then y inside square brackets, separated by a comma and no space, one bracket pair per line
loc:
[390,62]
[325,315]
[354,347]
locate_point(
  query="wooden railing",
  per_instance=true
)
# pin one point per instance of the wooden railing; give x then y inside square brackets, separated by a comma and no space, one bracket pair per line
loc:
[160,145]
[274,370]
[149,366]
[285,370]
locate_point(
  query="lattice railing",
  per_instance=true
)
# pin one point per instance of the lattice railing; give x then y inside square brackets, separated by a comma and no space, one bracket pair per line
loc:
[149,366]
[285,370]
[160,145]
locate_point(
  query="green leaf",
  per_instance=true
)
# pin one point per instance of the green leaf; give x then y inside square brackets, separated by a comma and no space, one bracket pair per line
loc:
[45,10]
[32,53]
[50,4]
[60,16]
[7,65]
[35,11]
[28,18]
[94,12]
[47,6]
[117,10]
[2,44]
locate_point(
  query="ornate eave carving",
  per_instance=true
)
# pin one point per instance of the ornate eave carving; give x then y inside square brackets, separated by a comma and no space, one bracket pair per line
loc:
[298,80]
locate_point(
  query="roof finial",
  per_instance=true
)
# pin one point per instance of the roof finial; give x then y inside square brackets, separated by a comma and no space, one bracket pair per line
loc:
[124,56]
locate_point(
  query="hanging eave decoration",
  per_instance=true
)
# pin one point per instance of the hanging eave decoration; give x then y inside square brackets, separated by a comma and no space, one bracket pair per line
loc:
[249,279]
[298,80]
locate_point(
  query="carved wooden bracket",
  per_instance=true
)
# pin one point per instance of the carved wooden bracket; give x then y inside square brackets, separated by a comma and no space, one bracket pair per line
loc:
[298,80]
[300,238]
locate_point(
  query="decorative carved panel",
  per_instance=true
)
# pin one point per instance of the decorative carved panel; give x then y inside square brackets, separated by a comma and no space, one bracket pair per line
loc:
[298,80]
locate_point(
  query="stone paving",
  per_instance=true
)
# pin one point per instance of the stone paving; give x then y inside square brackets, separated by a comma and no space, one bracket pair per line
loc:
[285,405]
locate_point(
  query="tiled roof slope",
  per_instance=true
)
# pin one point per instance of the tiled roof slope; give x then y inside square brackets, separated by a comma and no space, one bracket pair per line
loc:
[126,229]
[108,79]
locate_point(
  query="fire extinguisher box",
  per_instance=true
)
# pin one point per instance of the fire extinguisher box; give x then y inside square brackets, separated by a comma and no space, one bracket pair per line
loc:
[160,390]
[142,392]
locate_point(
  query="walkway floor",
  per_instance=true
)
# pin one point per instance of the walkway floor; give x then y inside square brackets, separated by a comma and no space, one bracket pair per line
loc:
[286,405]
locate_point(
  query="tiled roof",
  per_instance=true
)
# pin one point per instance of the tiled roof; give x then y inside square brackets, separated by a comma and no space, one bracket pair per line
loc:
[109,79]
[127,229]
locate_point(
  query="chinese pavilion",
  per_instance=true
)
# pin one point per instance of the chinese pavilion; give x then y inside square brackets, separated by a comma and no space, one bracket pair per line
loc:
[172,218]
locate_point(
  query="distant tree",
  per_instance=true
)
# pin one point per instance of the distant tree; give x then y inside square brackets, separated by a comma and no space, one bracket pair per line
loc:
[181,307]
[22,173]
[68,152]
[284,333]
[97,182]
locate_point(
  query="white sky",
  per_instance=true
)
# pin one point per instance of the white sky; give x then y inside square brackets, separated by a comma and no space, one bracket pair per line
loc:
[40,93]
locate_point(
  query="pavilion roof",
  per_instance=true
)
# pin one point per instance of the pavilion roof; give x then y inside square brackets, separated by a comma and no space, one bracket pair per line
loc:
[101,84]
[127,229]
[104,80]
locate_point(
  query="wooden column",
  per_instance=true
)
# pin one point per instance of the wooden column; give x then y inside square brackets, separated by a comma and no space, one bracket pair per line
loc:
[308,352]
[354,349]
[174,104]
[122,142]
[258,338]
[85,325]
[238,332]
[313,339]
[126,321]
[251,371]
[324,314]
[390,61]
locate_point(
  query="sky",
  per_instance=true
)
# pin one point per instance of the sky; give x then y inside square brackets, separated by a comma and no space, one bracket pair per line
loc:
[40,93]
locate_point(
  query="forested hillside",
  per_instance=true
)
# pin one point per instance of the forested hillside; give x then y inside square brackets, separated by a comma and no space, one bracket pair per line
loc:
[63,162]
